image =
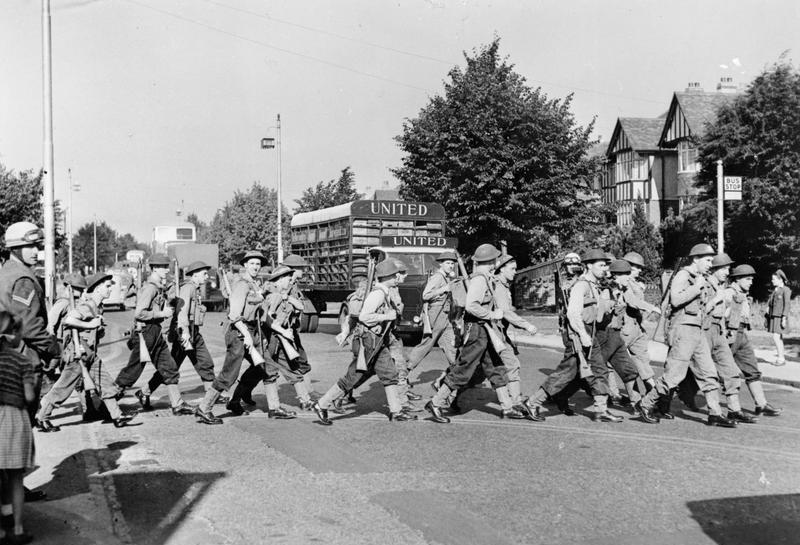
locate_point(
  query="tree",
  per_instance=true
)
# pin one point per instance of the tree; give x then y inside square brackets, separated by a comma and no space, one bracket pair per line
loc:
[22,201]
[330,193]
[248,222]
[110,246]
[506,161]
[757,136]
[201,227]
[643,238]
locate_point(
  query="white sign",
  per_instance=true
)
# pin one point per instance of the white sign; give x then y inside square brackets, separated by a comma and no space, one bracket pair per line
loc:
[733,188]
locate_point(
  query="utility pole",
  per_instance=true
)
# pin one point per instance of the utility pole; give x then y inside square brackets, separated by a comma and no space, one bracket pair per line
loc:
[280,200]
[49,165]
[95,244]
[720,209]
[69,219]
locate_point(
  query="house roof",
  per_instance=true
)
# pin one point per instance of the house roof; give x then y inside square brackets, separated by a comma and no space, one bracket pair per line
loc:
[636,133]
[694,109]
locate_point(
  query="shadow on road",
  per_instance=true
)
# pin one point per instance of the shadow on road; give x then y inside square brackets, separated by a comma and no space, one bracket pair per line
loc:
[768,519]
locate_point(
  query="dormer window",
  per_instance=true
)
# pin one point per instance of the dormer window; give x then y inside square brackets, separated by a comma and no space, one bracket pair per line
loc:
[687,157]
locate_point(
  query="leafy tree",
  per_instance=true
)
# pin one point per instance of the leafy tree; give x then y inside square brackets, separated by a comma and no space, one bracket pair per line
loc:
[22,201]
[506,161]
[330,193]
[644,238]
[110,247]
[249,221]
[201,227]
[757,136]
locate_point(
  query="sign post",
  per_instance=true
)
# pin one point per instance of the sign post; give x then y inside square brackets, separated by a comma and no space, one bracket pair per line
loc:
[720,209]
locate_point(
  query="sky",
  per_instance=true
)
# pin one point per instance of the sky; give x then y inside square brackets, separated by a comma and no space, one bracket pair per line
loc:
[160,105]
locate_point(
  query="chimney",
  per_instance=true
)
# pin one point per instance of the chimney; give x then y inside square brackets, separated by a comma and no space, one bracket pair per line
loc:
[694,87]
[727,85]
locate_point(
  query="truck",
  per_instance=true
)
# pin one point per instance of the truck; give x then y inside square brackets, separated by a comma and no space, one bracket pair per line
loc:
[337,243]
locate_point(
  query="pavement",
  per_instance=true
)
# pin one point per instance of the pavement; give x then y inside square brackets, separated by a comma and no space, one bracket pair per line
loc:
[365,480]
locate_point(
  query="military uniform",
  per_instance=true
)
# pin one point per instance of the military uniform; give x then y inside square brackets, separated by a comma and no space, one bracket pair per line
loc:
[633,333]
[190,316]
[438,299]
[373,335]
[609,338]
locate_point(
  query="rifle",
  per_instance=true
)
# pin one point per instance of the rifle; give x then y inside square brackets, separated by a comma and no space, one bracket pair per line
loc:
[562,298]
[494,336]
[661,325]
[88,384]
[459,303]
[285,336]
[255,355]
[361,360]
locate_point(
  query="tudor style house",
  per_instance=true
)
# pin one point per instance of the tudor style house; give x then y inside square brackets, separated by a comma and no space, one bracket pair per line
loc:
[654,160]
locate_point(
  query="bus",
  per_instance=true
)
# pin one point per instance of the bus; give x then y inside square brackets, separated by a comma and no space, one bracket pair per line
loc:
[165,236]
[338,241]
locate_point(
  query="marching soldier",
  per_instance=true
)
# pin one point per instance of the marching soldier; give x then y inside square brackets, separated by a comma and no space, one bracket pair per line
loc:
[147,341]
[23,297]
[583,313]
[242,338]
[633,332]
[738,323]
[299,265]
[85,323]
[481,313]
[187,341]
[376,321]
[437,298]
[688,344]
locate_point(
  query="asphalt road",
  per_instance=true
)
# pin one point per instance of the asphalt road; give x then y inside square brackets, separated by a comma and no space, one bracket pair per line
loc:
[479,480]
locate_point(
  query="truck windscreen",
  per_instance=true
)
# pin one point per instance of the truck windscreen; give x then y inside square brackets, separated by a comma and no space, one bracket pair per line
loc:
[417,263]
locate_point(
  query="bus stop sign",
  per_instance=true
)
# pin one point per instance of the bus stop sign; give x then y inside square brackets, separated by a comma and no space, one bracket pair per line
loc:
[733,188]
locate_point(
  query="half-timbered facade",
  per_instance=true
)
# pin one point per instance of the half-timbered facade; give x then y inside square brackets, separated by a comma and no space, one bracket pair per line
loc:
[637,170]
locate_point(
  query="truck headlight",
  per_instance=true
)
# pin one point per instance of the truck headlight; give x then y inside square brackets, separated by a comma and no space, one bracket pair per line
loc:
[416,319]
[213,285]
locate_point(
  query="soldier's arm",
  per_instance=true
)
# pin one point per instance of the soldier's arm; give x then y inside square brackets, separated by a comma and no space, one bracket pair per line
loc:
[435,287]
[82,317]
[682,290]
[55,315]
[185,296]
[144,299]
[505,303]
[634,300]
[475,292]
[369,315]
[26,307]
[575,309]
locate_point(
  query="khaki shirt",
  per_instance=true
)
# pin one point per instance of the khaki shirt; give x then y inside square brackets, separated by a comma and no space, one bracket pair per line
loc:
[245,300]
[502,294]
[480,302]
[687,298]
[375,308]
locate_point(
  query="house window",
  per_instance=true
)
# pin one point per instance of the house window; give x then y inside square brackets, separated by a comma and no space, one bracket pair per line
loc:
[687,157]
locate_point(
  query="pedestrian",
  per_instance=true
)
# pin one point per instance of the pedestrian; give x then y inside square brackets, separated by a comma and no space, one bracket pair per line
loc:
[633,332]
[505,271]
[17,382]
[778,314]
[243,337]
[583,312]
[437,298]
[184,332]
[738,324]
[22,295]
[688,343]
[479,350]
[375,323]
[84,327]
[146,341]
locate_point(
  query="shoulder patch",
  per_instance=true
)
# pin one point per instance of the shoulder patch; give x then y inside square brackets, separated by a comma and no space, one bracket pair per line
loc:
[23,293]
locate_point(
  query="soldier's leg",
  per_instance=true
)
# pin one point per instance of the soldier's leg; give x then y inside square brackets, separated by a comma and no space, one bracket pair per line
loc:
[727,369]
[623,365]
[227,376]
[169,371]
[683,339]
[386,370]
[129,374]
[275,365]
[178,355]
[497,374]
[351,379]
[745,359]
[512,365]
[469,357]
[598,381]
[202,361]
[70,376]
[557,383]
[705,372]
[640,355]
[105,388]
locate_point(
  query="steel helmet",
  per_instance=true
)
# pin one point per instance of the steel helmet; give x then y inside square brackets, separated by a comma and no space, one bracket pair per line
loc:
[572,258]
[485,253]
[96,279]
[634,258]
[196,267]
[253,254]
[595,255]
[721,260]
[620,266]
[159,260]
[386,268]
[294,260]
[700,250]
[281,270]
[23,233]
[503,261]
[741,271]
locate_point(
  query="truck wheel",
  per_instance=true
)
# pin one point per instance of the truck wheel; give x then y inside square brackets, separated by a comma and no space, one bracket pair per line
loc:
[303,323]
[313,323]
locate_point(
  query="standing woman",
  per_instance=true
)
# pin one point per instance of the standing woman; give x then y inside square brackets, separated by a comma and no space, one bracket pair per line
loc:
[778,313]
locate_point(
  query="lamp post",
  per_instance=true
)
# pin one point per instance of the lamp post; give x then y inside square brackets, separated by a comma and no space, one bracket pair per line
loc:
[270,143]
[49,166]
[72,187]
[95,245]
